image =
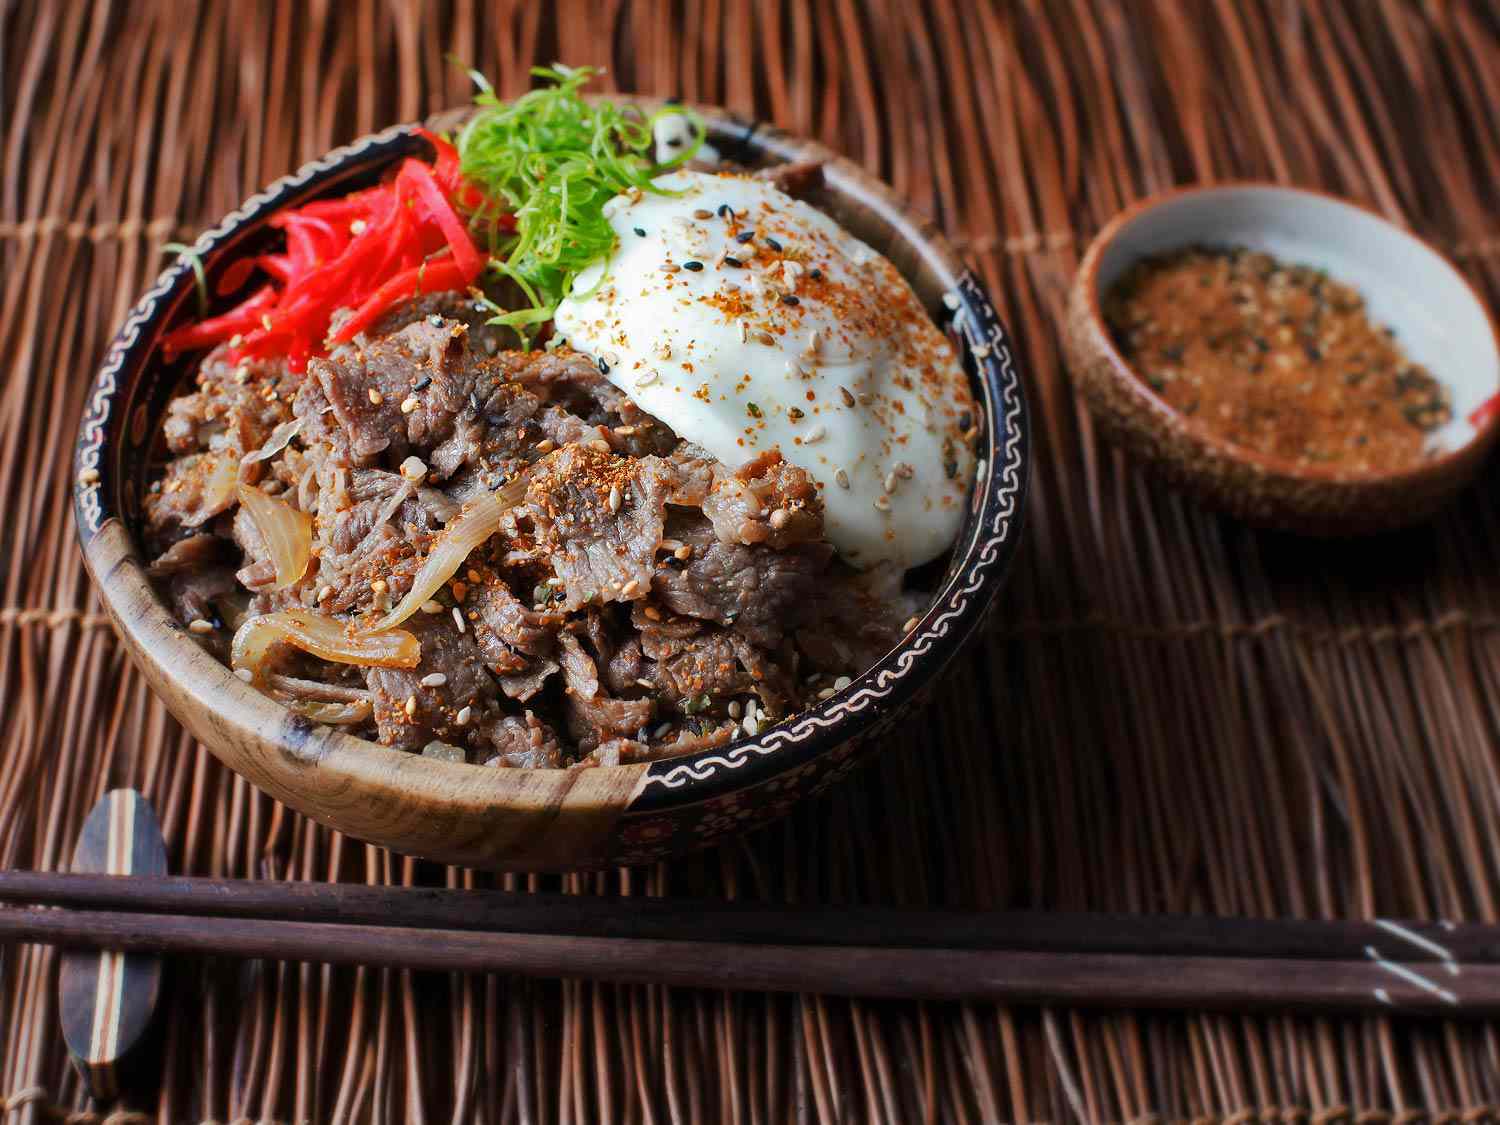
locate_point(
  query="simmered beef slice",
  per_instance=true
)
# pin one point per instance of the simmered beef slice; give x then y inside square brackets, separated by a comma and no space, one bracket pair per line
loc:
[366,384]
[191,555]
[518,643]
[593,716]
[522,741]
[194,593]
[234,409]
[195,489]
[762,592]
[410,709]
[598,518]
[688,660]
[767,500]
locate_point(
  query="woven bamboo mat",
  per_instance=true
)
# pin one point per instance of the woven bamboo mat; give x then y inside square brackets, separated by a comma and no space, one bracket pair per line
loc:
[1171,712]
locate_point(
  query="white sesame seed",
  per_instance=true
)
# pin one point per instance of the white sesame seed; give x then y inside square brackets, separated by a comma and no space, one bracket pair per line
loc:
[434,679]
[683,553]
[889,484]
[463,716]
[377,586]
[744,331]
[904,470]
[376,398]
[411,706]
[245,674]
[814,340]
[458,619]
[630,589]
[911,623]
[817,433]
[766,338]
[324,593]
[199,625]
[600,444]
[736,708]
[664,350]
[409,404]
[614,498]
[414,469]
[842,478]
[646,378]
[841,683]
[779,518]
[882,503]
[825,694]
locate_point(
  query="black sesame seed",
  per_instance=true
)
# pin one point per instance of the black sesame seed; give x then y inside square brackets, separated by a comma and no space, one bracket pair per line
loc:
[674,142]
[774,245]
[730,261]
[726,211]
[694,266]
[744,236]
[423,383]
[639,233]
[603,367]
[816,275]
[965,420]
[789,299]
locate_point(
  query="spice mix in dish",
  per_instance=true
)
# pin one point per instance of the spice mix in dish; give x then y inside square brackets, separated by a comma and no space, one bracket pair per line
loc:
[1280,359]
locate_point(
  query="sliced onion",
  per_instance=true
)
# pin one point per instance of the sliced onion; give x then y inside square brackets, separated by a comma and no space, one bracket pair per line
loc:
[287,533]
[323,637]
[334,714]
[471,527]
[278,440]
[218,489]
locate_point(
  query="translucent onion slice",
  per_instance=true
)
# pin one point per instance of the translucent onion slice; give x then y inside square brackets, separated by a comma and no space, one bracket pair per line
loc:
[219,483]
[471,527]
[286,531]
[321,636]
[278,440]
[334,714]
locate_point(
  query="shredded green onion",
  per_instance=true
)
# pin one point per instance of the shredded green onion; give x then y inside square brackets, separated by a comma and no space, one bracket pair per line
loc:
[187,253]
[554,159]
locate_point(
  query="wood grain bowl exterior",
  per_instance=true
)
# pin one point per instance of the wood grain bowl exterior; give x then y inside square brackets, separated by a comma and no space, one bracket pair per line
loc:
[1268,492]
[515,819]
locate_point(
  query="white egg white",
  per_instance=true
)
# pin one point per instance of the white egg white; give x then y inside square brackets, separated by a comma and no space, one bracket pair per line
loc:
[750,321]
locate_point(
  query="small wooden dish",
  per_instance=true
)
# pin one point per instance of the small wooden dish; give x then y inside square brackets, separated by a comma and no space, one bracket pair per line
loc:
[1437,315]
[540,819]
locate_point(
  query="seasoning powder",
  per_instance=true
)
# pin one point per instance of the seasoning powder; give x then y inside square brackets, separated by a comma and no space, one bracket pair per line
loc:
[1277,358]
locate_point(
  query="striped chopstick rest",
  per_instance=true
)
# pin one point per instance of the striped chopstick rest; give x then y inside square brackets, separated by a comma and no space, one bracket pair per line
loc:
[106,1000]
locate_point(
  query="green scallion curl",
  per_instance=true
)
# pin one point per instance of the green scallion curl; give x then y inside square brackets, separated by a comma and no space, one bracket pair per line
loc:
[553,159]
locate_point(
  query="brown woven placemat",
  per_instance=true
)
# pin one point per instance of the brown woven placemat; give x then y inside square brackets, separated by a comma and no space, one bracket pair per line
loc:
[1171,712]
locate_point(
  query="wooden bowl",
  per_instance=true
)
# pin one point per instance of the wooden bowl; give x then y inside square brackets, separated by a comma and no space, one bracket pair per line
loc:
[1437,315]
[538,819]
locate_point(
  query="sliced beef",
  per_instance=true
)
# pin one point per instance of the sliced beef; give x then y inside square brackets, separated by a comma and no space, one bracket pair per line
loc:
[522,741]
[799,178]
[234,409]
[193,594]
[599,519]
[196,488]
[594,717]
[410,713]
[192,555]
[761,591]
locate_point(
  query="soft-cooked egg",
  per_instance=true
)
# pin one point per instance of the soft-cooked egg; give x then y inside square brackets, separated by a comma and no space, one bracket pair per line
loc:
[748,321]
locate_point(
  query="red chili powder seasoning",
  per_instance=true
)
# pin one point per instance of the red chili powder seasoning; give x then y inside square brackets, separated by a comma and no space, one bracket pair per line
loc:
[1280,359]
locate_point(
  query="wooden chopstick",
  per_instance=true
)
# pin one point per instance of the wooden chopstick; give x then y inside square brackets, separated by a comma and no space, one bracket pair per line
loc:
[1132,960]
